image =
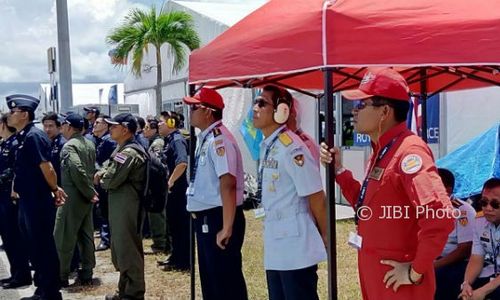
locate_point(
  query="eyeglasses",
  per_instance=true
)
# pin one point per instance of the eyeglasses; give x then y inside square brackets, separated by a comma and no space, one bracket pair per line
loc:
[493,203]
[359,105]
[198,106]
[260,102]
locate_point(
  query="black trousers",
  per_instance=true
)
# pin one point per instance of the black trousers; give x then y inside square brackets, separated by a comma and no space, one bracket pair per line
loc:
[448,281]
[178,223]
[14,248]
[36,222]
[299,284]
[221,272]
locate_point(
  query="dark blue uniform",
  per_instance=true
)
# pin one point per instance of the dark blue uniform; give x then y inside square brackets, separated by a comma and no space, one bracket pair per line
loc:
[37,210]
[104,148]
[55,153]
[175,152]
[143,141]
[9,229]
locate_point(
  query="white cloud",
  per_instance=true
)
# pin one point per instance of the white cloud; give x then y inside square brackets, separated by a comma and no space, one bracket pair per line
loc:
[29,28]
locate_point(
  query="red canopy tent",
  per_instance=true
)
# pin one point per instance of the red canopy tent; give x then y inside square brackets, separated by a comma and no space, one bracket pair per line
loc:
[315,44]
[290,42]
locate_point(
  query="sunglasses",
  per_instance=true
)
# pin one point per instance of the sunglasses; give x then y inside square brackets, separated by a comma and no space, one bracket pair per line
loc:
[359,105]
[493,203]
[198,106]
[260,102]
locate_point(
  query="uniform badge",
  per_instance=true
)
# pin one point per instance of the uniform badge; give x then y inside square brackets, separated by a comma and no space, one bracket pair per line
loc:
[221,151]
[299,160]
[120,158]
[13,104]
[411,164]
[463,221]
[376,173]
[285,139]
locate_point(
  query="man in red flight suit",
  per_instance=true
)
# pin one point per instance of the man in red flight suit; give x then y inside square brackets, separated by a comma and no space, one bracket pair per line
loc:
[403,214]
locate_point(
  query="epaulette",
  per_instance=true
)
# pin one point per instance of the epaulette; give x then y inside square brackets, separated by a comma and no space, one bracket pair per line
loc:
[456,203]
[479,214]
[285,139]
[216,131]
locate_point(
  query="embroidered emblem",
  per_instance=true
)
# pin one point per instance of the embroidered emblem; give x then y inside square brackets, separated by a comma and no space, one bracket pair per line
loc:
[299,160]
[411,164]
[376,173]
[463,221]
[221,151]
[120,158]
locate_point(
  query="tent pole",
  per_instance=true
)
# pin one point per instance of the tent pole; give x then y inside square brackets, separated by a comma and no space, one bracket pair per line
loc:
[423,99]
[330,186]
[192,147]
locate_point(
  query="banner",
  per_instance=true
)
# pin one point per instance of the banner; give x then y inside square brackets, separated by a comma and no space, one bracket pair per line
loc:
[113,94]
[432,118]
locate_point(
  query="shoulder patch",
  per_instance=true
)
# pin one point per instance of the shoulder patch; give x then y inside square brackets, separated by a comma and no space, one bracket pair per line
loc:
[411,164]
[285,139]
[221,151]
[479,214]
[456,203]
[299,160]
[216,131]
[219,142]
[120,157]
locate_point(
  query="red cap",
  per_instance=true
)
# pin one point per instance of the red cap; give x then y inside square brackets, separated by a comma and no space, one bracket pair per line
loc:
[207,97]
[383,82]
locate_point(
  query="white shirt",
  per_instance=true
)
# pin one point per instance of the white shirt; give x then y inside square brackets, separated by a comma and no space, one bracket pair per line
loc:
[217,154]
[486,236]
[464,226]
[290,174]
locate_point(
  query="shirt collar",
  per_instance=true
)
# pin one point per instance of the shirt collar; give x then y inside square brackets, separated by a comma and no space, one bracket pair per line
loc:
[209,129]
[390,134]
[268,140]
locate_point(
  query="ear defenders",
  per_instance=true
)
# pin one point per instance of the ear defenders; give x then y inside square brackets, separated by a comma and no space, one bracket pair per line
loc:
[171,123]
[281,110]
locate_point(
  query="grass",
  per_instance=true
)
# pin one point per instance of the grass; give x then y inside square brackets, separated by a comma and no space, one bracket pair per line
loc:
[162,285]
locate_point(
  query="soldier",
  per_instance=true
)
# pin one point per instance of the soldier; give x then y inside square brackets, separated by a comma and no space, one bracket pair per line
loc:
[175,157]
[91,114]
[34,181]
[293,202]
[482,276]
[450,266]
[124,178]
[139,135]
[215,197]
[52,127]
[74,219]
[9,228]
[157,222]
[105,145]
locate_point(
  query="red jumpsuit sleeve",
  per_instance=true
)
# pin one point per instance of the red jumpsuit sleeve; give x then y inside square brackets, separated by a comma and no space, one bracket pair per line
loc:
[426,192]
[349,186]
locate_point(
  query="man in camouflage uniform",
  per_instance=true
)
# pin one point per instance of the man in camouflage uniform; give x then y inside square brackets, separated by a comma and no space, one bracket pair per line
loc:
[124,178]
[74,219]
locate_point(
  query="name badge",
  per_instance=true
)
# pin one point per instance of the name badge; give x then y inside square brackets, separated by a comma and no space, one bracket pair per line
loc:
[376,173]
[259,213]
[355,240]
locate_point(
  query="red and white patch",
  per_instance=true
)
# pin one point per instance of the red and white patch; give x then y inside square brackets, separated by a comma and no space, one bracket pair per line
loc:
[411,164]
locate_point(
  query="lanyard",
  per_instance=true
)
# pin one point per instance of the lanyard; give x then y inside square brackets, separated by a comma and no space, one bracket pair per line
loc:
[198,154]
[496,251]
[261,166]
[362,192]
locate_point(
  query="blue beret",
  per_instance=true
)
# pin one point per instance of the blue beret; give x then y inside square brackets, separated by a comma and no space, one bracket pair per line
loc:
[22,101]
[74,120]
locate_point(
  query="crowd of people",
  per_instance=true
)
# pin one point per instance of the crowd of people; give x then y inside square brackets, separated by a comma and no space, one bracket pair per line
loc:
[83,173]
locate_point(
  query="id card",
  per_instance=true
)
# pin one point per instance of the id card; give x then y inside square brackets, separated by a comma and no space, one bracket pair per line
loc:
[204,228]
[259,212]
[355,240]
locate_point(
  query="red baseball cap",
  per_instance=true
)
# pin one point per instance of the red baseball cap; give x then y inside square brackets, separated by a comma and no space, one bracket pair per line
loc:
[207,97]
[383,82]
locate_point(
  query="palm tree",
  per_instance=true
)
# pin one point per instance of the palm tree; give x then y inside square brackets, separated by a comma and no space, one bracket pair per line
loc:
[143,28]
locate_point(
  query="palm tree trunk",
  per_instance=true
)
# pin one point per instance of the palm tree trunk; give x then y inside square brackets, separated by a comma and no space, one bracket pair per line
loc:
[158,82]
